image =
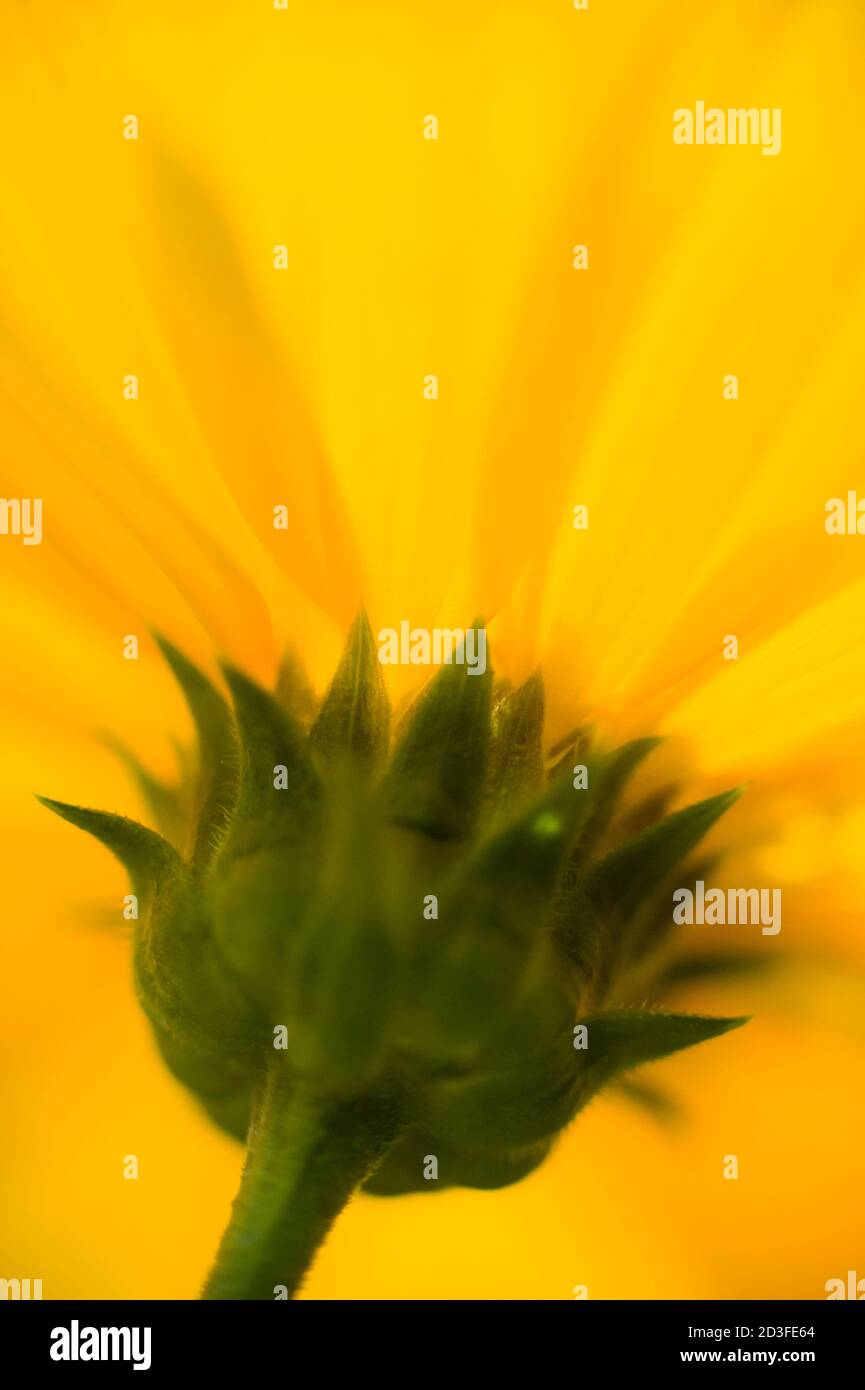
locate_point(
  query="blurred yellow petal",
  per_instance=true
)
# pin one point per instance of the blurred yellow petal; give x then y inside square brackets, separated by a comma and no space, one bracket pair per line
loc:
[305,388]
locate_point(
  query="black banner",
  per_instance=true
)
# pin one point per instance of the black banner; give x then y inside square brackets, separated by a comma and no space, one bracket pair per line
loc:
[73,1338]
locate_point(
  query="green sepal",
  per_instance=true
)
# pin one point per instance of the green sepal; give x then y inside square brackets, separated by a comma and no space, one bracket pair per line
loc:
[516,763]
[181,980]
[435,783]
[216,779]
[266,874]
[224,1084]
[354,718]
[516,871]
[269,738]
[402,1170]
[344,958]
[620,1040]
[148,858]
[521,1090]
[640,947]
[534,1097]
[493,915]
[621,884]
[560,758]
[197,1006]
[167,804]
[293,689]
[616,772]
[579,934]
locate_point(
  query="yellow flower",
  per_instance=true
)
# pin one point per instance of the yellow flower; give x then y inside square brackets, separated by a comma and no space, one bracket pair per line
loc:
[303,388]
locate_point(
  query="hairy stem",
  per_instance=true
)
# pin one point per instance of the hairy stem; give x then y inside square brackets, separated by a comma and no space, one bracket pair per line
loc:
[306,1157]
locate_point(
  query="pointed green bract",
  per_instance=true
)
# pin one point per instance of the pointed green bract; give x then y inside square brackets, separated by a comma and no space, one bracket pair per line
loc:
[516,770]
[622,882]
[517,869]
[620,1040]
[578,917]
[145,855]
[293,690]
[579,934]
[616,772]
[354,717]
[435,783]
[539,1094]
[494,915]
[181,980]
[269,740]
[216,783]
[266,875]
[567,752]
[168,805]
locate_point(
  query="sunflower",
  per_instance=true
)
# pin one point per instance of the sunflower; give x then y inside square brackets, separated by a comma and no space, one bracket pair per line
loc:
[279,357]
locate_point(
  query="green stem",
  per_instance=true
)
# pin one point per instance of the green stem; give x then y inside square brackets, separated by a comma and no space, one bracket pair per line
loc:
[306,1157]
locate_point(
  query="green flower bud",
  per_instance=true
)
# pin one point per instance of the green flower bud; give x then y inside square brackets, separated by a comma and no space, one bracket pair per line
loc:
[297,986]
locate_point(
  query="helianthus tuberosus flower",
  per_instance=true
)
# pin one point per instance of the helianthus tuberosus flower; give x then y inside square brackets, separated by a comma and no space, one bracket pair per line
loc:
[581,287]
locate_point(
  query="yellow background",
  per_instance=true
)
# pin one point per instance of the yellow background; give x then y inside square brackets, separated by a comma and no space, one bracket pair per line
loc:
[304,387]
